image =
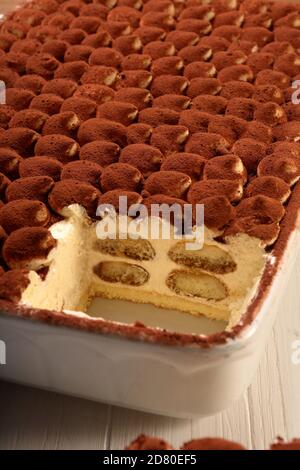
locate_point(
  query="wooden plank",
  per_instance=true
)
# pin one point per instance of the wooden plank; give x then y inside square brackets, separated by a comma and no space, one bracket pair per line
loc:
[34,419]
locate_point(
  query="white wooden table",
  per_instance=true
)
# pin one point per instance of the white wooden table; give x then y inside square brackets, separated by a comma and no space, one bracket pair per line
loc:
[32,419]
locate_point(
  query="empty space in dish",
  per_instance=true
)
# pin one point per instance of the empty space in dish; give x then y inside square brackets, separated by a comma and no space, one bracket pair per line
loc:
[171,320]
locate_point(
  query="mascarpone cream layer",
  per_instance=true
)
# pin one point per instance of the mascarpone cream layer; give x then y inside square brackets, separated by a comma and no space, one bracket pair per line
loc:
[71,283]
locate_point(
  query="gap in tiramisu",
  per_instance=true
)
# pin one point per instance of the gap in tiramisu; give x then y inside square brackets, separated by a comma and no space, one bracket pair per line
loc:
[172,320]
[217,281]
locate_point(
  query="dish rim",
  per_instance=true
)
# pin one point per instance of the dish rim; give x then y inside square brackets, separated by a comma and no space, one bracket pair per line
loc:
[242,331]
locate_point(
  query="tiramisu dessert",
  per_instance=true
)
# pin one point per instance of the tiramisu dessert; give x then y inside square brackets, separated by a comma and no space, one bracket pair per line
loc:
[280,444]
[164,102]
[143,442]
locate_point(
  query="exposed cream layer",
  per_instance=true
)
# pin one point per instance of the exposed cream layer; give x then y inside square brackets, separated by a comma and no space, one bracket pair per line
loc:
[73,277]
[67,283]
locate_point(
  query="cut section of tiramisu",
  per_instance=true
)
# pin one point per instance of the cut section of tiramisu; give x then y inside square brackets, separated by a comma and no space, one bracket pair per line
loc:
[170,106]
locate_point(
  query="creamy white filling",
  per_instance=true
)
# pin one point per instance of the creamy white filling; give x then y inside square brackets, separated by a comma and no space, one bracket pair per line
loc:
[68,280]
[71,283]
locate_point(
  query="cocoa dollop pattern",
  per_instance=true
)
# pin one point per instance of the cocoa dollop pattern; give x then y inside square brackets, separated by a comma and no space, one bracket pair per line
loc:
[158,100]
[146,442]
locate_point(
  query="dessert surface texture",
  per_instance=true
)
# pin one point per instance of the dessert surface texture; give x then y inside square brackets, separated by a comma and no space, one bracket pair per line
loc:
[143,442]
[161,101]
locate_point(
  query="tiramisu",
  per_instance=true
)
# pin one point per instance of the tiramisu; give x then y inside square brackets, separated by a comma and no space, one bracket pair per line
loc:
[167,103]
[143,442]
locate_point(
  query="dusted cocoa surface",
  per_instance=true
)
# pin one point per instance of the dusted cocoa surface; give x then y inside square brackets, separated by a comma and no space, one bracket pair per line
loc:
[144,442]
[206,83]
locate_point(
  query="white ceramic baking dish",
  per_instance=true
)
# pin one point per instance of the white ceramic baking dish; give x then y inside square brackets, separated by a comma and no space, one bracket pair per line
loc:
[175,375]
[108,358]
